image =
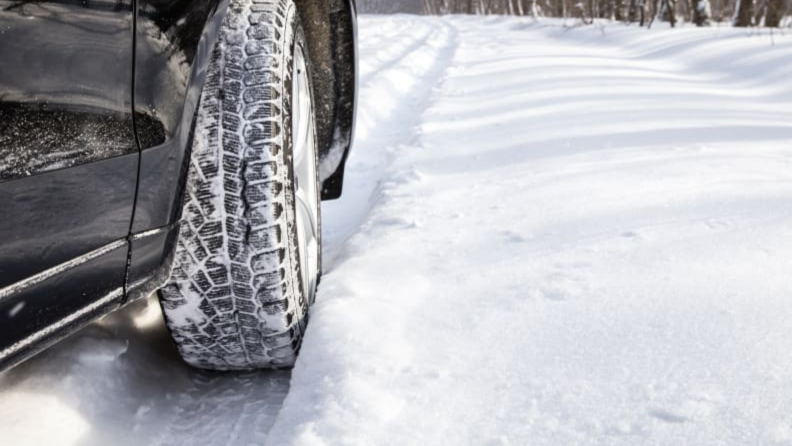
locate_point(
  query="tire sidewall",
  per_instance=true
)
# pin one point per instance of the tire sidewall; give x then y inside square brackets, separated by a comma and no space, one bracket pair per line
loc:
[296,37]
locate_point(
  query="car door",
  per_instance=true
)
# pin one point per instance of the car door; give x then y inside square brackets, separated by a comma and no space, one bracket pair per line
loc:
[68,165]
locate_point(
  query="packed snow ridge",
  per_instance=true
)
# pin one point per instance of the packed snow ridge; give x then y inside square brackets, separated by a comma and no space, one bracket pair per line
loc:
[549,235]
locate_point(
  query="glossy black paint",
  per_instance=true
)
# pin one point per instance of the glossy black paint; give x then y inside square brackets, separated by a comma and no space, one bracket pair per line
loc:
[52,218]
[65,69]
[64,102]
[171,61]
[70,137]
[174,40]
[331,32]
[97,106]
[68,165]
[151,261]
[43,313]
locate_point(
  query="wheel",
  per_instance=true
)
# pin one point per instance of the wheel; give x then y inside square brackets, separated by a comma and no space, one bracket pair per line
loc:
[247,262]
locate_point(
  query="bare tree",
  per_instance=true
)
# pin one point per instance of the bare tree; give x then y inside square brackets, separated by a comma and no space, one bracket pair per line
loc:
[774,9]
[636,12]
[702,11]
[769,13]
[744,12]
[619,13]
[670,11]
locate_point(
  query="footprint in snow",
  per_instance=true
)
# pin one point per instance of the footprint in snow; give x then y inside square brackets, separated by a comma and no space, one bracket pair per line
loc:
[667,417]
[716,224]
[513,237]
[630,234]
[563,284]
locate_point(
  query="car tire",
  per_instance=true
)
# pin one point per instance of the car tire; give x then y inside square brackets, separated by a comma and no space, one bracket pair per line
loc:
[248,258]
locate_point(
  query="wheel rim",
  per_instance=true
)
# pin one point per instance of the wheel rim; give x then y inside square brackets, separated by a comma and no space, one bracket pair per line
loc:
[305,187]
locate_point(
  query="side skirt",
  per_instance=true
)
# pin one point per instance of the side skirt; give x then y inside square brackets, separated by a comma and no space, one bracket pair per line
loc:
[151,261]
[39,311]
[42,310]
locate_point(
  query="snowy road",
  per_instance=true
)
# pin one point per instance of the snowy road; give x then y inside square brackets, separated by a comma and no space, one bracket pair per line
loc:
[548,236]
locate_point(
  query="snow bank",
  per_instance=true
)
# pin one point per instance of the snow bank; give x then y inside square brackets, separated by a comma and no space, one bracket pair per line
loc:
[586,238]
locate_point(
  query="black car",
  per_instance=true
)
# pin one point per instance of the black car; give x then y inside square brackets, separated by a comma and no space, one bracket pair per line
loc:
[171,146]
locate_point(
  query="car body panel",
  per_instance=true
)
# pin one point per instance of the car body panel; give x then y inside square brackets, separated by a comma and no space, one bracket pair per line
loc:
[64,249]
[68,166]
[51,306]
[174,41]
[52,218]
[64,77]
[97,107]
[151,260]
[331,31]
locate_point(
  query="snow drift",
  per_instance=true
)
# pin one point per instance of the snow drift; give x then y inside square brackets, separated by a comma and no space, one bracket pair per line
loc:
[580,236]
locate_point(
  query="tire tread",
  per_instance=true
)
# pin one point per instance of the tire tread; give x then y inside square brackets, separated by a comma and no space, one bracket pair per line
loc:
[233,301]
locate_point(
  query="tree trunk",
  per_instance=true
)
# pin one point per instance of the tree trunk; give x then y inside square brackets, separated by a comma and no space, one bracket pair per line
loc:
[775,9]
[632,11]
[531,9]
[592,10]
[744,13]
[669,12]
[637,12]
[619,10]
[610,13]
[655,10]
[702,11]
[685,9]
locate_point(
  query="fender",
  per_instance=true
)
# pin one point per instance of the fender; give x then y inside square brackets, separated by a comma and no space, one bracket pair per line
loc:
[331,31]
[173,44]
[174,40]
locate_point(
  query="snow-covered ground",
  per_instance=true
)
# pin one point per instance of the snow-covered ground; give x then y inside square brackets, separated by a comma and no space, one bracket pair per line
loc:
[548,236]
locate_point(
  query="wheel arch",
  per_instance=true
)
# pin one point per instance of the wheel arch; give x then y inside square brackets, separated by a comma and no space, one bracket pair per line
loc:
[330,28]
[173,49]
[174,43]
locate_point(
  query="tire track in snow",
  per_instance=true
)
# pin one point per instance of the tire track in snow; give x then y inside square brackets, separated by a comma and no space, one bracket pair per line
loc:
[405,45]
[388,118]
[537,300]
[396,93]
